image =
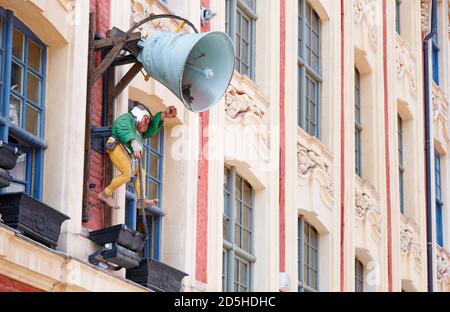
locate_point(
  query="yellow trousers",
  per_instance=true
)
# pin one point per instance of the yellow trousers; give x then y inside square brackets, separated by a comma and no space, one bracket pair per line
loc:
[122,161]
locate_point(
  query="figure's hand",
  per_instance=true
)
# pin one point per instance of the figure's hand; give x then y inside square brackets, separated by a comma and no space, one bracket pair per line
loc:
[137,149]
[170,112]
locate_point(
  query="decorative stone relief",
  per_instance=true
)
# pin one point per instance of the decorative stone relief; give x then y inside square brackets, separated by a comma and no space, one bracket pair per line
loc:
[443,269]
[140,10]
[363,203]
[241,108]
[425,11]
[440,104]
[410,246]
[239,105]
[406,62]
[367,10]
[365,209]
[309,162]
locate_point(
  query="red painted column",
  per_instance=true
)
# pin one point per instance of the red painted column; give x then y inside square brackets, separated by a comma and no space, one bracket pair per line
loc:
[342,171]
[100,214]
[387,145]
[201,263]
[8,284]
[282,189]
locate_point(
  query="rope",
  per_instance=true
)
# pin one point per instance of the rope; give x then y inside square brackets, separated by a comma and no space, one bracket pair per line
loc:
[141,208]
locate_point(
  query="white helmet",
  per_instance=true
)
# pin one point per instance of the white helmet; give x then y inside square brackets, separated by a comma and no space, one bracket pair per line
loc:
[139,111]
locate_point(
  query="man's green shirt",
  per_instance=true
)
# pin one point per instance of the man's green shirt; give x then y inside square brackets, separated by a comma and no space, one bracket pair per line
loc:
[124,129]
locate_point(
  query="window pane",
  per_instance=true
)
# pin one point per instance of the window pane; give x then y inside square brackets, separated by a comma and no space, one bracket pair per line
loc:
[32,120]
[243,273]
[16,77]
[33,87]
[19,171]
[238,212]
[154,143]
[154,166]
[18,44]
[247,193]
[34,56]
[226,199]
[15,110]
[226,173]
[238,187]
[237,235]
[246,241]
[153,191]
[247,217]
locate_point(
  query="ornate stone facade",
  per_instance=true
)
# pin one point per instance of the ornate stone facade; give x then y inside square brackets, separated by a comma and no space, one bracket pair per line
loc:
[406,63]
[425,11]
[409,244]
[366,209]
[443,269]
[366,10]
[309,163]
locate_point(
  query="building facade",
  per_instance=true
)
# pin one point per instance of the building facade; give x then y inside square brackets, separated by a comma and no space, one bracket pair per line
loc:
[309,175]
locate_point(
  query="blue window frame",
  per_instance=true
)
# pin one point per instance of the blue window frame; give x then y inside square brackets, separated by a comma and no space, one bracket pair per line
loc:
[439,202]
[238,237]
[308,257]
[309,69]
[435,54]
[23,73]
[153,165]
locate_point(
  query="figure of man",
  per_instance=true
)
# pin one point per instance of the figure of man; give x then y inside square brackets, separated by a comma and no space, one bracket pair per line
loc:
[126,144]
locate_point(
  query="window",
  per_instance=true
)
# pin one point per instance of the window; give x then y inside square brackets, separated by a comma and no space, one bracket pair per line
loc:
[22,83]
[238,233]
[398,4]
[435,54]
[309,69]
[240,26]
[401,167]
[358,124]
[308,255]
[359,276]
[153,165]
[439,202]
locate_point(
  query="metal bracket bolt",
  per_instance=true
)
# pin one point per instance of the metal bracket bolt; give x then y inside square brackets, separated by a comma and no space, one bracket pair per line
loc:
[207,15]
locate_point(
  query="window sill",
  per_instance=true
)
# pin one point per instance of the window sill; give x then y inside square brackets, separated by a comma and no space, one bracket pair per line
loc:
[363,183]
[243,82]
[313,143]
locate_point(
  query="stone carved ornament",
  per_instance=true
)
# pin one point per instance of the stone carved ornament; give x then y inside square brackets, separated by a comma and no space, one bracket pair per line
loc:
[308,161]
[409,245]
[440,104]
[140,10]
[443,267]
[406,62]
[365,210]
[367,10]
[240,107]
[425,12]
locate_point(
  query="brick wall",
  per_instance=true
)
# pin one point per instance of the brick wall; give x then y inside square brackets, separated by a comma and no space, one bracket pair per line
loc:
[10,285]
[100,214]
